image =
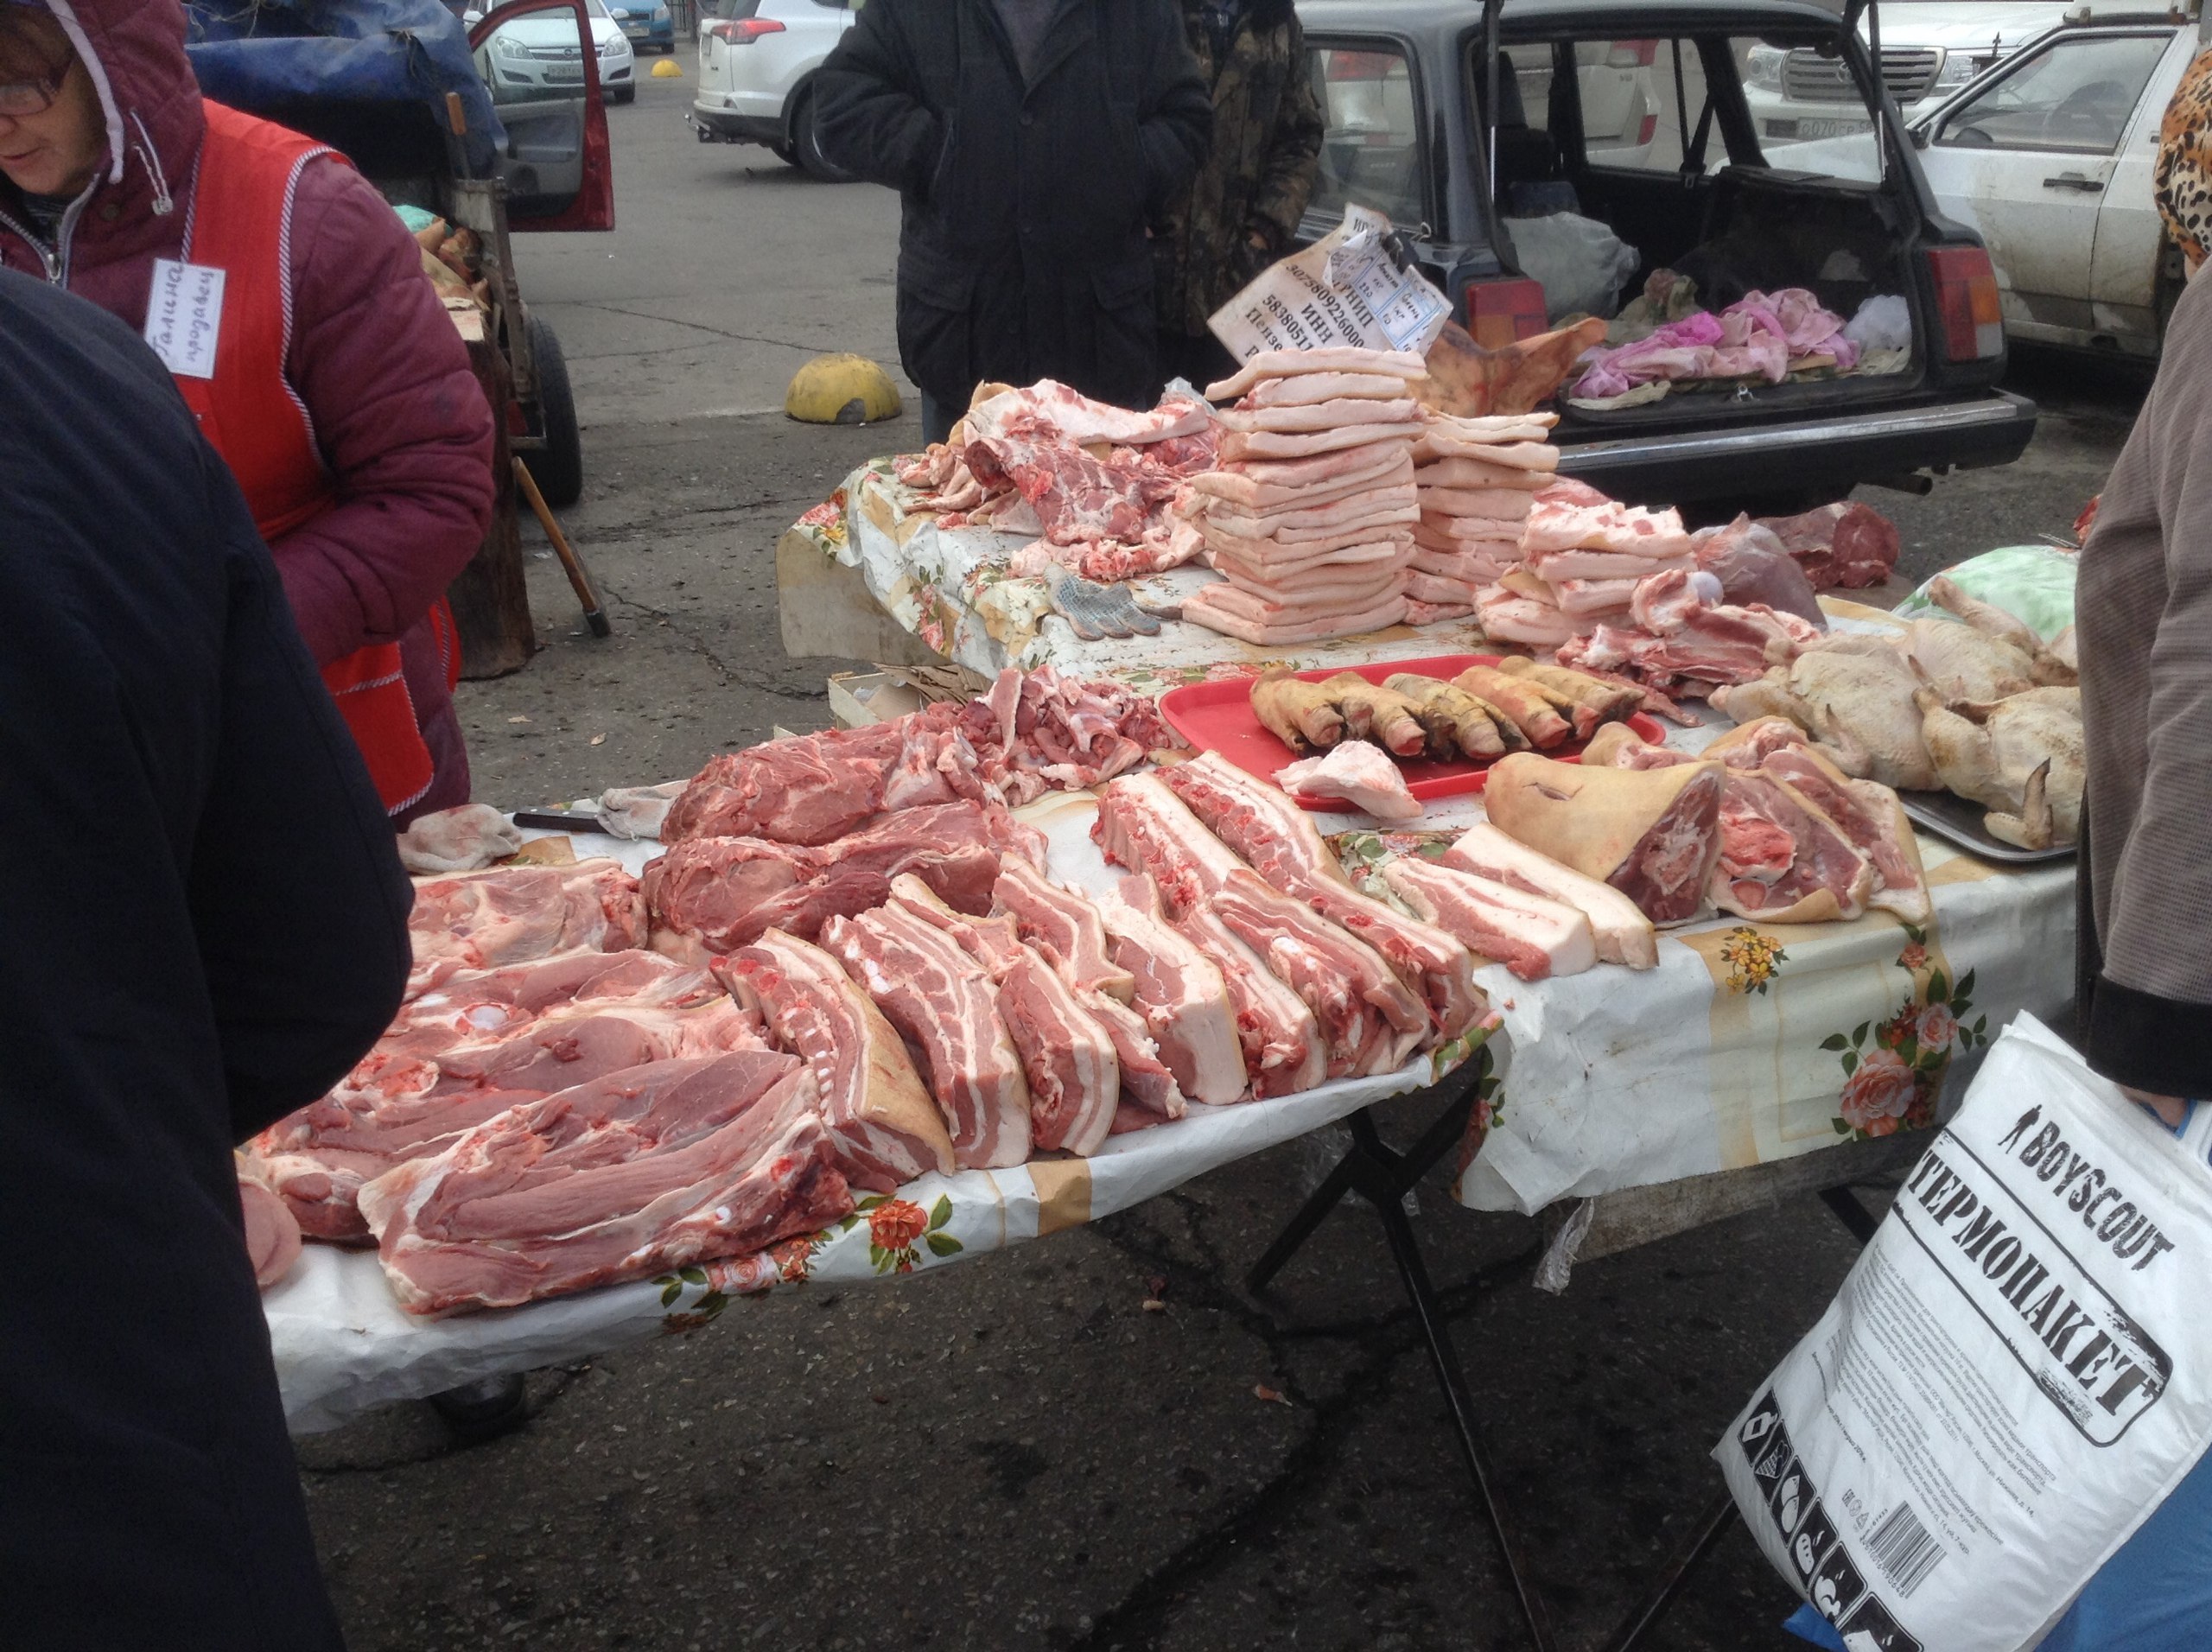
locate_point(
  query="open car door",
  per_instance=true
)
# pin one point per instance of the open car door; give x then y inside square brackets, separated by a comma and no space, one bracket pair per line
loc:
[540,58]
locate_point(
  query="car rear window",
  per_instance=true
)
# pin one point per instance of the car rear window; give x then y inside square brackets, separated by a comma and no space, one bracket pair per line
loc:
[733,9]
[1370,141]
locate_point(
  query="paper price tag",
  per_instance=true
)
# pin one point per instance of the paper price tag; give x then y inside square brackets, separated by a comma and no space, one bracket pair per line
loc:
[184,316]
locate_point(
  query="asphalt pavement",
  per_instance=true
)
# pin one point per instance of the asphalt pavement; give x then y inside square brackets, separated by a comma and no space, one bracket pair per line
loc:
[1017,1451]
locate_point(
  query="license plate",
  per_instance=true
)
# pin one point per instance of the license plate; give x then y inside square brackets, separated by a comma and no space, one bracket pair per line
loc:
[558,75]
[636,31]
[1833,128]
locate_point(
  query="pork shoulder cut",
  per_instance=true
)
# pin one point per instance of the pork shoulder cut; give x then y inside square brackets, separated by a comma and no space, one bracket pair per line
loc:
[1652,833]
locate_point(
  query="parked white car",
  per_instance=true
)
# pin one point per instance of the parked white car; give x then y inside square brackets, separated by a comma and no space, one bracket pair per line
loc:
[757,61]
[1928,51]
[2048,158]
[538,55]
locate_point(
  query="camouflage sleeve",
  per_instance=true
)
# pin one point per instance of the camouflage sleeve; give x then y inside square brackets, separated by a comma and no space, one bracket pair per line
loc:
[1293,152]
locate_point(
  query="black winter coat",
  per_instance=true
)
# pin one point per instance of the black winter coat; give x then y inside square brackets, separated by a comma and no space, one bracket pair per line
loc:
[204,926]
[1022,250]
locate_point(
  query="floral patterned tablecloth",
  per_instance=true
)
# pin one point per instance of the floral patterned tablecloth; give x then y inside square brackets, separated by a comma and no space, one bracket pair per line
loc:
[343,1345]
[1756,1042]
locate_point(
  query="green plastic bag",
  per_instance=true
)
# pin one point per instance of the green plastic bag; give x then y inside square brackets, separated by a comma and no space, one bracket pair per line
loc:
[2033,583]
[416,219]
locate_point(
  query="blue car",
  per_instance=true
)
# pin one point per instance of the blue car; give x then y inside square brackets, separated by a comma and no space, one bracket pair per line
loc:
[646,23]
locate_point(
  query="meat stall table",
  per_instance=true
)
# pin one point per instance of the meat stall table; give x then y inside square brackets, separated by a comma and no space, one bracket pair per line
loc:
[343,1345]
[861,576]
[1756,1061]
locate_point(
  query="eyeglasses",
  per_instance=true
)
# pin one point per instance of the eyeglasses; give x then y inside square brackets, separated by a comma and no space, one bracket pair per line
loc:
[21,98]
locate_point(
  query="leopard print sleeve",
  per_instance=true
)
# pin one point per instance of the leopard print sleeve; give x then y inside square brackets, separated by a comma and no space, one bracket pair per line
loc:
[2182,180]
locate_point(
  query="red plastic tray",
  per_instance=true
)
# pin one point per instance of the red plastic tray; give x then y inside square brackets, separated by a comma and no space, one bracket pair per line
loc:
[1217,716]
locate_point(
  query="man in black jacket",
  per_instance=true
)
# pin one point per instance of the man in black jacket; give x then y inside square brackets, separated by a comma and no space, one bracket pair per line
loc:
[204,926]
[1034,144]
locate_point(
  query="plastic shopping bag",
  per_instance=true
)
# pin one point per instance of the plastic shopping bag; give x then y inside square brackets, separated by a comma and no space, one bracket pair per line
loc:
[2014,1375]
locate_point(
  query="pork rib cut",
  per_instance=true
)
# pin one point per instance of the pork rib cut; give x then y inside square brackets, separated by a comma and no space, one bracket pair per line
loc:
[886,1127]
[1067,1055]
[1279,839]
[1532,935]
[945,1005]
[1185,1001]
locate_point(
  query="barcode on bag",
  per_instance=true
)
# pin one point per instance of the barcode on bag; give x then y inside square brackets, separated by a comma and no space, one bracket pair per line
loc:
[1902,1548]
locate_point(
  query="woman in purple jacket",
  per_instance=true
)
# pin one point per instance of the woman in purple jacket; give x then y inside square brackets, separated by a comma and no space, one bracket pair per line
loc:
[103,132]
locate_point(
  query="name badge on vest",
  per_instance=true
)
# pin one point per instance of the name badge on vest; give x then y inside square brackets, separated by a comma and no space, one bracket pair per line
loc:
[184,316]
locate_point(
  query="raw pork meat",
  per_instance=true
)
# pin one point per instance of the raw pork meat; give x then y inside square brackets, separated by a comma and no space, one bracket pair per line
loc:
[1846,544]
[1371,1021]
[1279,839]
[887,1128]
[945,1005]
[711,895]
[1335,359]
[642,1171]
[1360,774]
[1066,927]
[1684,638]
[1531,935]
[1623,933]
[1185,1001]
[1752,566]
[479,920]
[1283,1050]
[1652,833]
[1068,1056]
[272,1232]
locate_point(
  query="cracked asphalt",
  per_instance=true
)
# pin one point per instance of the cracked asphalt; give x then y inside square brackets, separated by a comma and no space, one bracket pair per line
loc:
[1017,1451]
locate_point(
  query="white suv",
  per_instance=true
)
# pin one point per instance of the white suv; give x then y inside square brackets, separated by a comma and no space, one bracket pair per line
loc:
[1928,51]
[757,61]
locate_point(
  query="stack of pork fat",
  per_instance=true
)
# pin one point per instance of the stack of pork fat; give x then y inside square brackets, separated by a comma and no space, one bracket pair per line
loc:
[1309,517]
[1475,478]
[1582,554]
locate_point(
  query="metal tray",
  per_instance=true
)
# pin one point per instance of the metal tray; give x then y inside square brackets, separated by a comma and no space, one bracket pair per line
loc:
[1955,818]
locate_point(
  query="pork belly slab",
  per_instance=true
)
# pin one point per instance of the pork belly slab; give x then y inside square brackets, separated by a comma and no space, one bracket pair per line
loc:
[651,1169]
[1067,1053]
[1533,936]
[1623,934]
[1066,927]
[1279,839]
[1184,999]
[1371,1021]
[886,1127]
[946,1006]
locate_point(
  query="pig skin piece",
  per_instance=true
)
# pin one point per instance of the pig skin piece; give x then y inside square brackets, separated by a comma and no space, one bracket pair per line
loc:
[1358,773]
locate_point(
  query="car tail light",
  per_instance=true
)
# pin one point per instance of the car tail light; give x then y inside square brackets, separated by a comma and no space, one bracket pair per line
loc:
[1966,302]
[1501,312]
[1359,66]
[742,31]
[1632,54]
[1649,125]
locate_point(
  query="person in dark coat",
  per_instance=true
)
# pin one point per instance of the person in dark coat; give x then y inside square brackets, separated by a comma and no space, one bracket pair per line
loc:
[1034,144]
[1241,212]
[205,928]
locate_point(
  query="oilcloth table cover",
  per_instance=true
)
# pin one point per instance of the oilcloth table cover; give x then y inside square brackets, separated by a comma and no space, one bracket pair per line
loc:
[343,1345]
[951,589]
[1756,1042]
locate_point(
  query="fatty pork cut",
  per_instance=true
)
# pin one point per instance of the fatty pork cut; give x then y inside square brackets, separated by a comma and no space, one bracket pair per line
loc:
[1652,833]
[1623,933]
[945,1005]
[1532,935]
[1371,1021]
[1278,839]
[1067,1054]
[886,1127]
[1357,773]
[655,1168]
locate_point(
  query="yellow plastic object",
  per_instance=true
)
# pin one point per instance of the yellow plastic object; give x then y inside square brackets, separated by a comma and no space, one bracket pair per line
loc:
[667,70]
[842,390]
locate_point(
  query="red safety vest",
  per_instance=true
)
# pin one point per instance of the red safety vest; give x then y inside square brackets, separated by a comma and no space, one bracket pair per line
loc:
[240,223]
